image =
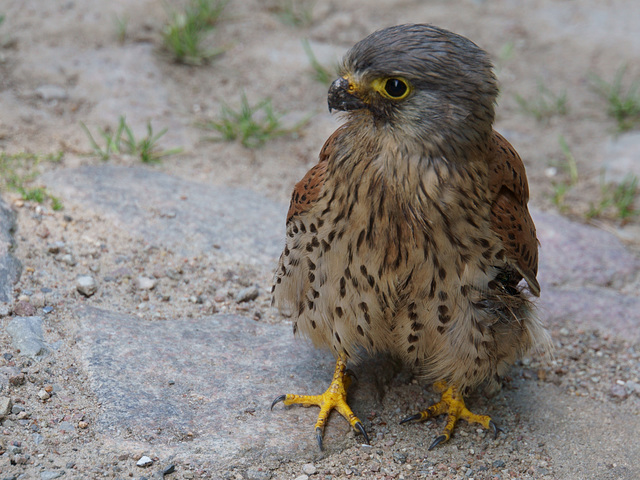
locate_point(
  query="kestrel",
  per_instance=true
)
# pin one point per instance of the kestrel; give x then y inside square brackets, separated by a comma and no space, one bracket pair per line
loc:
[412,235]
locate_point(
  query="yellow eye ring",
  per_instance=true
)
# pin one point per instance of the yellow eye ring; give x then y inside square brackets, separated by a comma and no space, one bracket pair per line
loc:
[393,88]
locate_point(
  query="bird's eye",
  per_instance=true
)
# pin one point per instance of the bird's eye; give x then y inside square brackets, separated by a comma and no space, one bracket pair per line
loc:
[396,88]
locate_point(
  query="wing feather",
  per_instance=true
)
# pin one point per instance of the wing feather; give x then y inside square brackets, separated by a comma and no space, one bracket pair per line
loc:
[510,217]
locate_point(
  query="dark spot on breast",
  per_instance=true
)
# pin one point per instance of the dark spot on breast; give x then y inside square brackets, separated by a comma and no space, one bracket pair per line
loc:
[363,306]
[312,277]
[313,324]
[360,330]
[412,338]
[339,312]
[411,348]
[337,337]
[442,295]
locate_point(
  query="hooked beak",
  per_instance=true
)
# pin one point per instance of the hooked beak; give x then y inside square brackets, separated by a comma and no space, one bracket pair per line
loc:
[339,97]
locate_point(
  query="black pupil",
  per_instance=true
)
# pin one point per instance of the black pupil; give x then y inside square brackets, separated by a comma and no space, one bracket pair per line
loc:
[395,87]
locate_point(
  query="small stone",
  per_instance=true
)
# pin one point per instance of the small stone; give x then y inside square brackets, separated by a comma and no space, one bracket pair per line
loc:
[498,464]
[26,333]
[618,392]
[43,395]
[86,285]
[47,309]
[17,380]
[309,468]
[146,283]
[68,259]
[83,425]
[51,474]
[633,387]
[247,294]
[24,309]
[38,300]
[303,477]
[5,406]
[144,462]
[55,247]
[168,469]
[16,409]
[5,309]
[51,93]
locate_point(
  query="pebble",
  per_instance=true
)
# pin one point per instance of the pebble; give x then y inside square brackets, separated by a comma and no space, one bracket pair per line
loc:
[168,469]
[309,468]
[17,380]
[68,259]
[146,283]
[55,247]
[247,294]
[47,309]
[302,477]
[498,463]
[26,335]
[5,309]
[144,462]
[43,395]
[51,92]
[619,392]
[38,300]
[86,285]
[51,474]
[24,309]
[5,406]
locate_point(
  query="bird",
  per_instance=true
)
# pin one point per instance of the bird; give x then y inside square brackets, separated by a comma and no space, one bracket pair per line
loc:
[411,236]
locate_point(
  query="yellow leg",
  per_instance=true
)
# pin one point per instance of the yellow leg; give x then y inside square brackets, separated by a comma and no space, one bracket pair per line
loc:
[451,403]
[335,397]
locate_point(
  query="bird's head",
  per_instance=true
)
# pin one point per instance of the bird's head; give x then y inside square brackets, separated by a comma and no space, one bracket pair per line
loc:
[419,81]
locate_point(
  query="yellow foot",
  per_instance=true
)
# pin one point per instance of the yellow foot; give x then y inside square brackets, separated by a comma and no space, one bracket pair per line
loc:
[335,397]
[451,403]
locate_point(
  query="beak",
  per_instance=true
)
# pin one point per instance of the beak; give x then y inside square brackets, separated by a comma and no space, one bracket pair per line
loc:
[339,97]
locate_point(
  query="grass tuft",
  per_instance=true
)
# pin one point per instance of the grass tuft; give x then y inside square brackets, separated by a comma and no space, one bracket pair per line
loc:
[186,31]
[623,103]
[253,125]
[545,104]
[296,13]
[321,73]
[18,173]
[122,141]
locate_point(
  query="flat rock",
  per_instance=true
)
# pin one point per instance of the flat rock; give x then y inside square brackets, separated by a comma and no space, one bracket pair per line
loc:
[10,267]
[26,335]
[189,217]
[573,254]
[225,371]
[581,271]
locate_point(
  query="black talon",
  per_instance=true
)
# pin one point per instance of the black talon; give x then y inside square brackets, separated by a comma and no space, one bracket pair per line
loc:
[363,432]
[417,416]
[439,439]
[281,398]
[319,438]
[496,429]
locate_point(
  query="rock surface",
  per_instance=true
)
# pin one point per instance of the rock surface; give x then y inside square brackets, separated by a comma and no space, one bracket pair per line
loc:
[10,267]
[26,333]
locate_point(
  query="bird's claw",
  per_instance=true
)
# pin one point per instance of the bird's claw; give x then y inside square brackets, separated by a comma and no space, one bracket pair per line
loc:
[411,418]
[437,441]
[319,438]
[495,428]
[363,432]
[281,398]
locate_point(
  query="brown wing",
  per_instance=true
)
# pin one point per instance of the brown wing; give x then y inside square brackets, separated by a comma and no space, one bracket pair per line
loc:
[510,217]
[307,190]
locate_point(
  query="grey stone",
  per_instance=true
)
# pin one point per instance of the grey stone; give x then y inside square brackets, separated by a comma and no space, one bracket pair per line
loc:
[309,468]
[51,474]
[86,285]
[26,335]
[573,254]
[244,225]
[10,267]
[622,155]
[5,406]
[146,283]
[144,461]
[232,365]
[247,294]
[51,92]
